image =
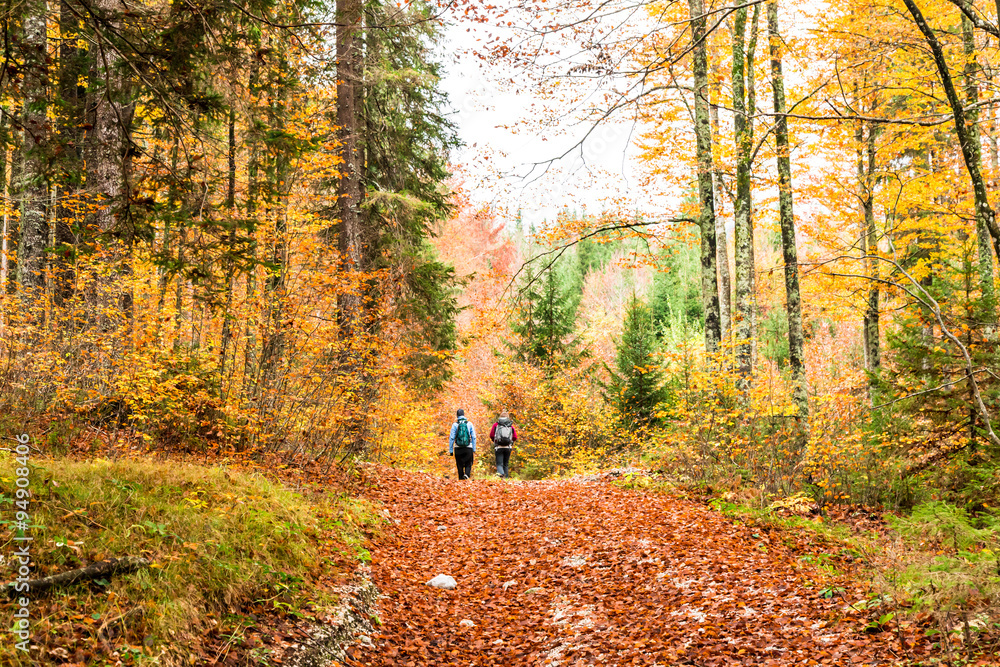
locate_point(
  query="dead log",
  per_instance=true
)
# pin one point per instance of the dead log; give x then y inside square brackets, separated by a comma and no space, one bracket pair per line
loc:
[104,568]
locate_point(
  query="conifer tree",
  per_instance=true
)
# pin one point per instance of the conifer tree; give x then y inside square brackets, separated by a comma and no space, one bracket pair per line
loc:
[636,385]
[545,320]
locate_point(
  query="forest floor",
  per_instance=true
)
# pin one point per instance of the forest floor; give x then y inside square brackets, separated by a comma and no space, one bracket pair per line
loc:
[582,571]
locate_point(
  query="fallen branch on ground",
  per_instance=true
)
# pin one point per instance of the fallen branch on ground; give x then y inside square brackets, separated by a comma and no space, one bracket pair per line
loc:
[104,568]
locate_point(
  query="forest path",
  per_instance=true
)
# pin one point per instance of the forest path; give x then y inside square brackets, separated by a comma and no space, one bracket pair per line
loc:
[583,572]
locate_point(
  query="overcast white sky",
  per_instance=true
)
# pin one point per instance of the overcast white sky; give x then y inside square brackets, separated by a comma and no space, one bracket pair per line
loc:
[493,155]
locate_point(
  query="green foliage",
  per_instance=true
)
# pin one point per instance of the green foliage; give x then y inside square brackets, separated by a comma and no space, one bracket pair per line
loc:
[545,319]
[406,146]
[593,255]
[636,385]
[408,134]
[676,297]
[429,306]
[961,553]
[928,371]
[774,336]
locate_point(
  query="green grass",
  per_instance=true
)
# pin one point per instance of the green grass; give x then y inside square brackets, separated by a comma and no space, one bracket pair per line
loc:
[220,543]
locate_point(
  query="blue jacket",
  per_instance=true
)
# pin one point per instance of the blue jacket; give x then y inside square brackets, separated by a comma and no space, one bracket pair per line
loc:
[472,435]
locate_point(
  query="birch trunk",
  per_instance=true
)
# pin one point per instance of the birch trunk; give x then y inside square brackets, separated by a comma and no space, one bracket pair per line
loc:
[706,195]
[793,303]
[721,237]
[869,244]
[743,232]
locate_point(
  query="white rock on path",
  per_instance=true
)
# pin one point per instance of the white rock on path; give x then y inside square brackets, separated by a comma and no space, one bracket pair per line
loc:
[466,623]
[443,581]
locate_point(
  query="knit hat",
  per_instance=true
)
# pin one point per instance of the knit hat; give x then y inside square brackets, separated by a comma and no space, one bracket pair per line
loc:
[461,412]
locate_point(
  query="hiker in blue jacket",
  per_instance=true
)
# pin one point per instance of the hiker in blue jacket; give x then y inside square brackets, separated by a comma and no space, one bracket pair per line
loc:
[462,443]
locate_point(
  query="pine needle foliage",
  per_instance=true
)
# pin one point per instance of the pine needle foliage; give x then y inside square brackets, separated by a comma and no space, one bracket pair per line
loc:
[636,386]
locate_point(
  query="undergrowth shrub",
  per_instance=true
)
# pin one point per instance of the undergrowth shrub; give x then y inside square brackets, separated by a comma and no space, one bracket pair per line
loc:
[951,559]
[561,421]
[714,433]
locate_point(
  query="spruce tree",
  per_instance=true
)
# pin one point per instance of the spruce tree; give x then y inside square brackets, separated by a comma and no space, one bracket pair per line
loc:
[636,386]
[545,320]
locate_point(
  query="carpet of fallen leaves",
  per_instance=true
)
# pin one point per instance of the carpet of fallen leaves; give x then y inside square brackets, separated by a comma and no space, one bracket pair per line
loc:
[582,572]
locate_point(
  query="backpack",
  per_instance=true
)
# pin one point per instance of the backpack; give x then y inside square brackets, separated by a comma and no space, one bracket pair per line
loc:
[503,436]
[462,437]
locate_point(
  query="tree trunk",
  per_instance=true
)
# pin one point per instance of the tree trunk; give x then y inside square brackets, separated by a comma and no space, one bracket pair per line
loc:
[4,170]
[721,238]
[108,169]
[793,303]
[273,344]
[13,188]
[743,232]
[72,110]
[253,196]
[706,195]
[869,245]
[32,188]
[751,112]
[349,118]
[986,283]
[227,317]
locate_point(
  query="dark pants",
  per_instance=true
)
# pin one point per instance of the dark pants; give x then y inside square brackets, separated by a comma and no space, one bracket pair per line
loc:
[463,459]
[503,462]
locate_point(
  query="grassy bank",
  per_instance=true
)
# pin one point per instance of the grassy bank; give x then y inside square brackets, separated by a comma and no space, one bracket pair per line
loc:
[229,551]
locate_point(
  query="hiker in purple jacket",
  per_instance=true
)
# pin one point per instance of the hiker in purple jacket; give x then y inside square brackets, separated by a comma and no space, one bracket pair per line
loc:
[504,435]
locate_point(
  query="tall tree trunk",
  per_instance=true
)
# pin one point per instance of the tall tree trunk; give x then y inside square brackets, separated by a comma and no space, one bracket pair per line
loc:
[108,168]
[706,194]
[986,283]
[13,191]
[751,112]
[33,190]
[273,337]
[227,315]
[793,303]
[743,232]
[869,246]
[721,238]
[349,118]
[72,110]
[253,197]
[353,239]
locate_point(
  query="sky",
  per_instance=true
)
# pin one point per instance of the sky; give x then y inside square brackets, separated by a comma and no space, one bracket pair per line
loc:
[496,158]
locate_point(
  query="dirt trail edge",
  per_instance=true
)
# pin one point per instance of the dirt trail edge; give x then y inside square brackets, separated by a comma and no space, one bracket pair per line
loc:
[582,572]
